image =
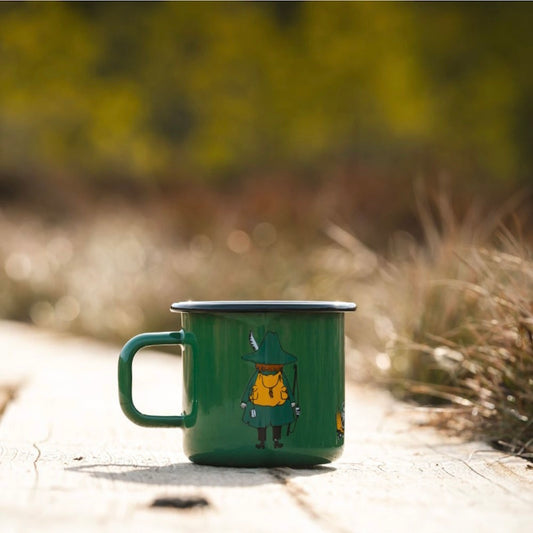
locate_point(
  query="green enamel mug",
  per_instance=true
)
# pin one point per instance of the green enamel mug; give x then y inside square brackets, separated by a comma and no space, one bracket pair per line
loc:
[263,381]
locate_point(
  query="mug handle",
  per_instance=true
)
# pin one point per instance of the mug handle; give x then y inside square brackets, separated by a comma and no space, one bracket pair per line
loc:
[125,378]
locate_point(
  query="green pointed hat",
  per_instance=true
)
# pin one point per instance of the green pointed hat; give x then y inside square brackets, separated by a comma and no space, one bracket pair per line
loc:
[270,352]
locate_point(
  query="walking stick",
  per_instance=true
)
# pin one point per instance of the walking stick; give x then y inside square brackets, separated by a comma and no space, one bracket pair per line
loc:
[297,406]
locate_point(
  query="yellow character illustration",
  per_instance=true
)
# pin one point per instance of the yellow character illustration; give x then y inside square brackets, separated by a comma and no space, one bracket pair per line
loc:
[268,399]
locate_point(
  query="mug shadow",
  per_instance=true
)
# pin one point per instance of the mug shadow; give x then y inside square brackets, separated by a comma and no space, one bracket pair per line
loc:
[190,474]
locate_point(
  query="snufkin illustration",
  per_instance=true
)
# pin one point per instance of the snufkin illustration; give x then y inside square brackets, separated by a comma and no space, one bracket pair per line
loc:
[268,399]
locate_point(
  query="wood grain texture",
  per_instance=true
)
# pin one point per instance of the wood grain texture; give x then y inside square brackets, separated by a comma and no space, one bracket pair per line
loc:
[70,460]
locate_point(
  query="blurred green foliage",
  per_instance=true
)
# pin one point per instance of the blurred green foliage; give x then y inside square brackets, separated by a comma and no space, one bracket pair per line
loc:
[163,92]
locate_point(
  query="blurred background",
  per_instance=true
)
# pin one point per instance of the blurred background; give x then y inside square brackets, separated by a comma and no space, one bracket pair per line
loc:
[157,152]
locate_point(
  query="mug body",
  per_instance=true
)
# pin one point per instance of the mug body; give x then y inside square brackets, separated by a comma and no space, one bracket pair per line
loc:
[263,382]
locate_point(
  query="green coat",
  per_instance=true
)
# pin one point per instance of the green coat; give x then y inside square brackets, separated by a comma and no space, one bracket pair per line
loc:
[266,415]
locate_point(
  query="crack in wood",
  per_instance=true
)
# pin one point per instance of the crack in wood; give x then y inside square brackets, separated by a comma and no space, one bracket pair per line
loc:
[299,496]
[443,468]
[467,464]
[37,458]
[35,467]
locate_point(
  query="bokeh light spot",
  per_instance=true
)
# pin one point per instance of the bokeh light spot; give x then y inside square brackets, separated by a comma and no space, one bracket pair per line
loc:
[264,234]
[18,266]
[42,313]
[239,242]
[67,308]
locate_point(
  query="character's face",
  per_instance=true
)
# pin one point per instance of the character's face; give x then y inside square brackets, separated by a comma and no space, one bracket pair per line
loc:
[268,368]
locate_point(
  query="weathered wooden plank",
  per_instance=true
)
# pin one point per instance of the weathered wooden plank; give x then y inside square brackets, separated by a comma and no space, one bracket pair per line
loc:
[69,460]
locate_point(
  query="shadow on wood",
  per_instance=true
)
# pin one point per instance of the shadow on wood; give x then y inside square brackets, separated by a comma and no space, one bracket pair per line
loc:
[189,474]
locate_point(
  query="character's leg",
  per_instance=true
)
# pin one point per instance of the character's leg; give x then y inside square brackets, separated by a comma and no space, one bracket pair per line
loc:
[261,437]
[276,434]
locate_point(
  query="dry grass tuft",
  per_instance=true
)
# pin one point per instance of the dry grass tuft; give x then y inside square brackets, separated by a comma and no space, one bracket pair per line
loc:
[463,330]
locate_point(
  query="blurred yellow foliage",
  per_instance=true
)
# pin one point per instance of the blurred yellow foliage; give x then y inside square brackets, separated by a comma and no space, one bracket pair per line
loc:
[168,91]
